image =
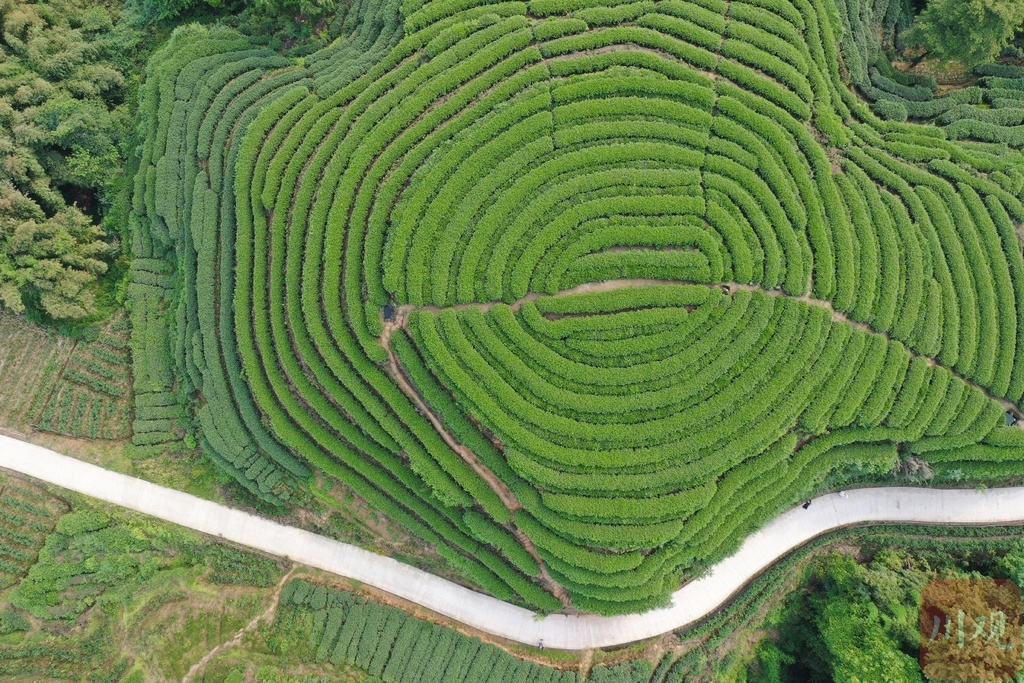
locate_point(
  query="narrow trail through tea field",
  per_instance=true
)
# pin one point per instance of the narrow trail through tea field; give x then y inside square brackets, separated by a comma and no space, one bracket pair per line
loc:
[690,603]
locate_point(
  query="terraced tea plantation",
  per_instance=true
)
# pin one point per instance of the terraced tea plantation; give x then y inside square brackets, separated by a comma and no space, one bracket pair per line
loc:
[580,291]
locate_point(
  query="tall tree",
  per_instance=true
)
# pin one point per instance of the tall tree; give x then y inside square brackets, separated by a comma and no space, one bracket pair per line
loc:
[969,31]
[54,259]
[63,119]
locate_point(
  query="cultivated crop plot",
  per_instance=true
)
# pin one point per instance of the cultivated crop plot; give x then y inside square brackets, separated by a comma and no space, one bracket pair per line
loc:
[580,292]
[29,514]
[30,366]
[511,341]
[93,397]
[55,384]
[335,626]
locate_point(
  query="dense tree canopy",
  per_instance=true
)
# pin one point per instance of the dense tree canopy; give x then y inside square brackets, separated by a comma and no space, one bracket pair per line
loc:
[63,116]
[859,623]
[968,31]
[302,11]
[56,257]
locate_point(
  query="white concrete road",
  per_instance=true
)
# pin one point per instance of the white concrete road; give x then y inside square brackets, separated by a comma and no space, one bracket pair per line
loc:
[691,602]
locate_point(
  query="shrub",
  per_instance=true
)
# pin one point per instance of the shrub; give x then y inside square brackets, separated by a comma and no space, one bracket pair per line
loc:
[81,522]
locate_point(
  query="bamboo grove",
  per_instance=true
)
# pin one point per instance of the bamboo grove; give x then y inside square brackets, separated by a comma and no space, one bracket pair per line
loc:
[580,291]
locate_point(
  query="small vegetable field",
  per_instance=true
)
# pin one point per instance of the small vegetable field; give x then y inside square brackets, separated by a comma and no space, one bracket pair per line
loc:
[74,388]
[30,365]
[582,292]
[93,396]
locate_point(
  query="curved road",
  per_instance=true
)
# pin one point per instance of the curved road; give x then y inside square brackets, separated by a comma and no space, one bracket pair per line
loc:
[690,603]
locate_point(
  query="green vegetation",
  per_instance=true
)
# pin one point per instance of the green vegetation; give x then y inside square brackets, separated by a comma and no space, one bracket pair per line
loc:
[65,117]
[298,18]
[32,358]
[73,388]
[27,517]
[577,292]
[114,597]
[92,399]
[318,624]
[332,634]
[990,110]
[859,620]
[345,633]
[970,31]
[742,642]
[658,274]
[93,594]
[862,624]
[68,100]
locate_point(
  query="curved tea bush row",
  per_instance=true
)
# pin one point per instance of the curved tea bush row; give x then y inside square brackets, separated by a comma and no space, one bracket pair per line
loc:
[362,438]
[573,428]
[700,165]
[235,436]
[898,96]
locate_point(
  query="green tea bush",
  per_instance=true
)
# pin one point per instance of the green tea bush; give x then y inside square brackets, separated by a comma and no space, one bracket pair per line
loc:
[12,622]
[77,523]
[654,270]
[393,646]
